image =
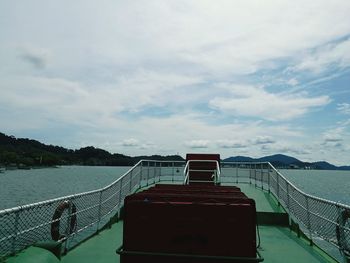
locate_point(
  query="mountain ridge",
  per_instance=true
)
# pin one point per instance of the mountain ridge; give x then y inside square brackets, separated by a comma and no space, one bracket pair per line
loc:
[27,152]
[285,161]
[23,153]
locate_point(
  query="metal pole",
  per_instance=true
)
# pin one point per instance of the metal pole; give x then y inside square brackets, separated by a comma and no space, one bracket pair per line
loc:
[147,173]
[288,204]
[99,211]
[255,175]
[250,173]
[130,181]
[120,191]
[262,173]
[268,177]
[15,231]
[308,219]
[236,173]
[278,189]
[141,174]
[67,233]
[140,177]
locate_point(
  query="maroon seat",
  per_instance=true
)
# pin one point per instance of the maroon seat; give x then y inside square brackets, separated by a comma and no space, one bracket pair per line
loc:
[166,221]
[190,228]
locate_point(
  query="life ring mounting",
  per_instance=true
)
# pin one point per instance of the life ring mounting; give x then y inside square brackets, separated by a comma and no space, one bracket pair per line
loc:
[342,232]
[56,218]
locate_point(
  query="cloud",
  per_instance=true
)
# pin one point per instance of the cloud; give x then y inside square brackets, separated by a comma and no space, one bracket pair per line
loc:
[263,140]
[130,142]
[257,102]
[292,82]
[198,144]
[286,149]
[326,57]
[230,144]
[154,70]
[334,137]
[344,108]
[37,58]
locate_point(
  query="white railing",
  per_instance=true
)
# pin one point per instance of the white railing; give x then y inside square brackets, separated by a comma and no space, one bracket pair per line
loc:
[321,220]
[216,171]
[23,226]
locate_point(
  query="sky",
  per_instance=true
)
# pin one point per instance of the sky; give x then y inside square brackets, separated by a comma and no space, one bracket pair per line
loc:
[250,78]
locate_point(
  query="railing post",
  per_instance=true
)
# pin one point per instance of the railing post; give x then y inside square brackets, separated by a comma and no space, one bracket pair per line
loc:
[99,211]
[172,171]
[278,188]
[250,173]
[236,173]
[255,175]
[308,219]
[140,177]
[268,177]
[288,205]
[261,177]
[68,228]
[141,173]
[147,172]
[130,181]
[15,230]
[120,192]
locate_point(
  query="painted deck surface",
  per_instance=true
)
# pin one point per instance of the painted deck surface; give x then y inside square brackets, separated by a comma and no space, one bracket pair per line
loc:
[278,244]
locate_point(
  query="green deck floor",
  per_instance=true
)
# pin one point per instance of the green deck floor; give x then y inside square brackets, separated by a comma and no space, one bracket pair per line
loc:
[278,244]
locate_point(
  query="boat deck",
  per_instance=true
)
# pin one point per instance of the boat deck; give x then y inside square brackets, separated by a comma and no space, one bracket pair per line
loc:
[278,243]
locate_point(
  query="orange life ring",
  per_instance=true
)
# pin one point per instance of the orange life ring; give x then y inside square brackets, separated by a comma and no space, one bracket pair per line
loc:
[55,225]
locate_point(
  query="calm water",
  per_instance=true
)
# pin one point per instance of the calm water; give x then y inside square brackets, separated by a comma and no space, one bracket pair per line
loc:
[20,187]
[331,185]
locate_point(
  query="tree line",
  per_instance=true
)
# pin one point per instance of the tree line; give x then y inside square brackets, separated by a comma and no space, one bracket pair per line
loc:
[23,152]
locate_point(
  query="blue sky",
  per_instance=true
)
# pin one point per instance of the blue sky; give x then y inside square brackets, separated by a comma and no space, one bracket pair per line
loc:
[164,77]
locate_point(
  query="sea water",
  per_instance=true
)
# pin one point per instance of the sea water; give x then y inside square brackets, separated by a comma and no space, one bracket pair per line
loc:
[330,185]
[20,187]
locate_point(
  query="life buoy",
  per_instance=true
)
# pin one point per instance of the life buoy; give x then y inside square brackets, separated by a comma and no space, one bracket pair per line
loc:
[342,238]
[55,225]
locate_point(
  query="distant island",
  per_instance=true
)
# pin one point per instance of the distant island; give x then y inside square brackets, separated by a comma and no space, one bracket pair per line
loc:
[25,153]
[282,161]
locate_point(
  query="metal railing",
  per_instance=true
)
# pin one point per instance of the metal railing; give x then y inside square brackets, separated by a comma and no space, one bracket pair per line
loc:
[324,222]
[321,220]
[216,171]
[26,225]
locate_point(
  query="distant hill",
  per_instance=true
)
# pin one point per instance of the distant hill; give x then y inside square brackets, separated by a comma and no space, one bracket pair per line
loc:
[285,161]
[239,159]
[279,158]
[19,152]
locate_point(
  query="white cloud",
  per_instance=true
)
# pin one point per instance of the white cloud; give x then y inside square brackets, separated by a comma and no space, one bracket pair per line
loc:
[325,57]
[334,137]
[230,144]
[104,79]
[198,143]
[293,82]
[257,102]
[263,140]
[130,142]
[344,108]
